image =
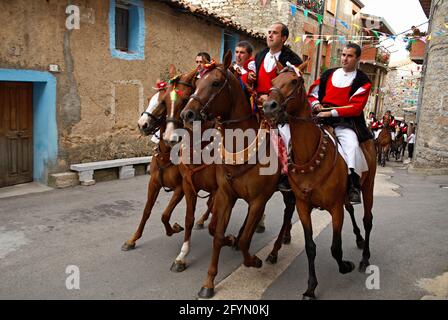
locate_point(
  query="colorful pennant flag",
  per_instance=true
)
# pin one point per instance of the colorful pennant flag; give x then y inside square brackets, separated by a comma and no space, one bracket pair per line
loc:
[305,12]
[344,24]
[319,18]
[298,39]
[375,33]
[357,27]
[293,10]
[318,42]
[342,39]
[304,37]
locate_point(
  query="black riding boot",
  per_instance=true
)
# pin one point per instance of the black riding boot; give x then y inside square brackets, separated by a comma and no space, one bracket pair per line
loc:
[283,183]
[354,190]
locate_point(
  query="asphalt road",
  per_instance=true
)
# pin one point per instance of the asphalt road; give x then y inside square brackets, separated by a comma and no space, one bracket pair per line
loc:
[42,234]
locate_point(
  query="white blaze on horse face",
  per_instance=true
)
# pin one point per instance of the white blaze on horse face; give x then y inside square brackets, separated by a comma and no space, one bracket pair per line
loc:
[153,103]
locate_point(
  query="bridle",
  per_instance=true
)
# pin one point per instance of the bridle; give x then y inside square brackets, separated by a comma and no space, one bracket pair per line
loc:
[205,116]
[173,120]
[289,98]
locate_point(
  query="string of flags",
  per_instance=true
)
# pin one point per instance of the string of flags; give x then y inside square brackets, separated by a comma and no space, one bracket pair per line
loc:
[294,7]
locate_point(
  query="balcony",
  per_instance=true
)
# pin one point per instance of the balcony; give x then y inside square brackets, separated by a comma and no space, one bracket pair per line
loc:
[417,51]
[376,56]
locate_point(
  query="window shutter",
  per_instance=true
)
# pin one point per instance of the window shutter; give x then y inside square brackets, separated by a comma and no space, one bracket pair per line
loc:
[121,28]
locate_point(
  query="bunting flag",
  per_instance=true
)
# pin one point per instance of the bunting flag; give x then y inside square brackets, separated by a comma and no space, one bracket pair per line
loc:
[357,27]
[344,24]
[298,39]
[293,10]
[308,40]
[428,38]
[318,42]
[330,41]
[304,37]
[328,38]
[446,25]
[342,39]
[319,18]
[305,12]
[375,33]
[333,21]
[316,36]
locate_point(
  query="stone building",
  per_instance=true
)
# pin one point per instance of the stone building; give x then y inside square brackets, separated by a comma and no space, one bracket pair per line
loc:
[431,150]
[257,16]
[70,95]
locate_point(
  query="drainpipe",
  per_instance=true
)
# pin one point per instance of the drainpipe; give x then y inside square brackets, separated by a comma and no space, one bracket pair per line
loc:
[335,30]
[319,48]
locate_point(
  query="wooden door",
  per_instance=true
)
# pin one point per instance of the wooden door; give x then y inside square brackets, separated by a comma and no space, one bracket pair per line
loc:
[16,133]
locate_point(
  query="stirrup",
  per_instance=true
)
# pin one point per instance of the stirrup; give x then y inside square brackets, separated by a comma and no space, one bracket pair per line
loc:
[354,196]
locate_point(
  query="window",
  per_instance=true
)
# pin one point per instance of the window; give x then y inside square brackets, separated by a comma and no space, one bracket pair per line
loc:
[127,29]
[228,42]
[331,6]
[121,28]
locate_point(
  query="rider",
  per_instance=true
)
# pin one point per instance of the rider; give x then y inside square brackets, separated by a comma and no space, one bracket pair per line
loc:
[266,71]
[245,63]
[347,90]
[375,125]
[201,59]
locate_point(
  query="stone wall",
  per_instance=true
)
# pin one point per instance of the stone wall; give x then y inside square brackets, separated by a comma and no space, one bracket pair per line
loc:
[431,154]
[99,98]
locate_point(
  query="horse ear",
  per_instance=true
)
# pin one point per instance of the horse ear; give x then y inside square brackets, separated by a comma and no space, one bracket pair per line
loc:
[279,65]
[227,61]
[172,71]
[304,65]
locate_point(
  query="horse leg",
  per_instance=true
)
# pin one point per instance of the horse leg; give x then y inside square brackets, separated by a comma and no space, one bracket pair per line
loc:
[304,212]
[200,224]
[367,195]
[153,192]
[356,231]
[180,264]
[285,231]
[222,208]
[178,194]
[256,209]
[337,217]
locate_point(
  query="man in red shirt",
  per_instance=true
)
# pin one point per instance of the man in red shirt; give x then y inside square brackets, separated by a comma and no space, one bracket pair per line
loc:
[265,62]
[245,63]
[346,90]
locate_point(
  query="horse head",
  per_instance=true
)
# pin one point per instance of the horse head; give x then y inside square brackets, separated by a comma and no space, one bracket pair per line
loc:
[180,89]
[213,95]
[286,87]
[154,115]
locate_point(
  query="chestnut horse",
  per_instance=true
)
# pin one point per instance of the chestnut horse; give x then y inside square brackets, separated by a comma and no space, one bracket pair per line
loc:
[163,173]
[197,177]
[384,142]
[317,172]
[220,98]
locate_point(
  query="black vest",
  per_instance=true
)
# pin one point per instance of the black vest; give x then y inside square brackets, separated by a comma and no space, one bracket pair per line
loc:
[358,123]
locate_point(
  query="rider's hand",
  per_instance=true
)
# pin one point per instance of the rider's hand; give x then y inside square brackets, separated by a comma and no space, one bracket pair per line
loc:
[251,77]
[318,108]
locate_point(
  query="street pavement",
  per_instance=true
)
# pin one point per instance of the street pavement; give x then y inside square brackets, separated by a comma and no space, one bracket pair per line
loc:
[41,234]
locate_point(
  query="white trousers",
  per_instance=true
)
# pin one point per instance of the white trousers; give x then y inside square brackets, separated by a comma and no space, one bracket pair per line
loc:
[377,133]
[351,151]
[285,133]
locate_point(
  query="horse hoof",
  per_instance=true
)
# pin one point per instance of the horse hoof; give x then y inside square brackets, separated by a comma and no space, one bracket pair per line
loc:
[272,259]
[178,266]
[177,228]
[286,239]
[260,229]
[198,226]
[363,266]
[360,244]
[308,297]
[346,267]
[257,263]
[126,246]
[206,293]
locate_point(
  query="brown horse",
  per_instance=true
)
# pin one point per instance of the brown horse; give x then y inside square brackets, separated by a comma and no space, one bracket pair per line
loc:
[384,142]
[398,145]
[317,172]
[220,98]
[197,177]
[163,174]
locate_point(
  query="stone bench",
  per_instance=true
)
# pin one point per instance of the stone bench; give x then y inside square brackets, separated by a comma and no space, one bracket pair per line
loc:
[126,165]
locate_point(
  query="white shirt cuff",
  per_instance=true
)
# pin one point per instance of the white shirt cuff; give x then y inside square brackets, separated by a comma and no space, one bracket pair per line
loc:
[334,113]
[314,103]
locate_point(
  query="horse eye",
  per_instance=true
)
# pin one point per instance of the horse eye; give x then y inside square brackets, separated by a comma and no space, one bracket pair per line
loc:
[215,83]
